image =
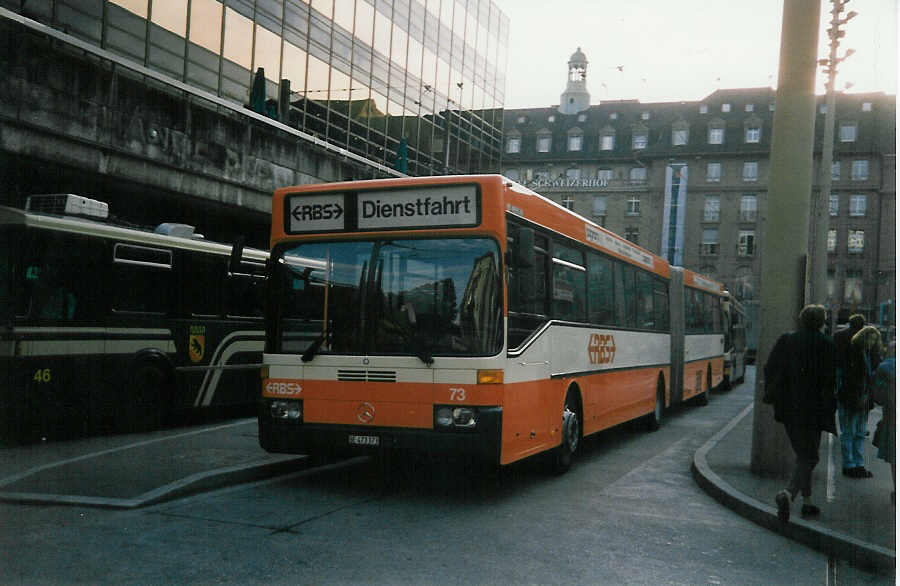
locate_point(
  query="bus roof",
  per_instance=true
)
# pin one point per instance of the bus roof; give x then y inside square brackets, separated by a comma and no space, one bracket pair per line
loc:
[101,229]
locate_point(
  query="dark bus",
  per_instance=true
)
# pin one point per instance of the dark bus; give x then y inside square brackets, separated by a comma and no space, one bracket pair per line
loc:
[111,328]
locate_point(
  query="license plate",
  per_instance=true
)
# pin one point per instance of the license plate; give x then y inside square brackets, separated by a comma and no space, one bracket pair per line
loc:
[363,440]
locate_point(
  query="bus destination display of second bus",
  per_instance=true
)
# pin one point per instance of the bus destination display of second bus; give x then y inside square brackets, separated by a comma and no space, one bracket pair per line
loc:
[446,206]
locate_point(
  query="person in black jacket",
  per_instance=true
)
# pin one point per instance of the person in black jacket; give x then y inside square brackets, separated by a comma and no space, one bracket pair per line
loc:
[799,382]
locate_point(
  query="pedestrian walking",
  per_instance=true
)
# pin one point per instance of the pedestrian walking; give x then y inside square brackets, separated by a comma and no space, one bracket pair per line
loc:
[799,383]
[885,394]
[858,362]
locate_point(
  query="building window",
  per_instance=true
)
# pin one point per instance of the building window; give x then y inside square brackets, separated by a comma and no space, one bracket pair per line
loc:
[582,117]
[613,115]
[575,141]
[829,280]
[632,234]
[848,132]
[711,208]
[867,106]
[600,206]
[860,170]
[856,241]
[645,115]
[604,175]
[512,174]
[633,206]
[568,202]
[746,243]
[751,171]
[748,208]
[726,107]
[748,108]
[573,173]
[853,286]
[857,206]
[710,243]
[543,143]
[836,171]
[831,242]
[639,140]
[834,205]
[679,135]
[551,118]
[752,134]
[704,109]
[771,106]
[714,172]
[638,175]
[607,142]
[823,108]
[513,144]
[716,135]
[521,119]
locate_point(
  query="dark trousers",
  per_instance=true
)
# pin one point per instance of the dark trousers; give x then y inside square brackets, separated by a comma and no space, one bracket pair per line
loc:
[805,442]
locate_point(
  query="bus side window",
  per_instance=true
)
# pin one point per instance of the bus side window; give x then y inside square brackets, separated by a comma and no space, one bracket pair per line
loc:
[59,277]
[245,295]
[601,292]
[644,300]
[661,304]
[626,273]
[141,279]
[203,274]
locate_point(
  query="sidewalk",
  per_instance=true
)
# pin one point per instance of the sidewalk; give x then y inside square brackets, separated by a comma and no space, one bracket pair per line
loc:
[858,521]
[137,470]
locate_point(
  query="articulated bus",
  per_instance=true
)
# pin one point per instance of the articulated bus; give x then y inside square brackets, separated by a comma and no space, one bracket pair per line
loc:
[113,328]
[736,325]
[469,315]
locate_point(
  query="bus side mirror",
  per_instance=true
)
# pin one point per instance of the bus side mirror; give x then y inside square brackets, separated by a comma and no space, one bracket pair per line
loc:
[523,248]
[237,253]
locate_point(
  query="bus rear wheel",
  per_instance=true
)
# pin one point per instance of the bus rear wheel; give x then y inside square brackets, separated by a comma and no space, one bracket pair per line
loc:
[571,436]
[146,400]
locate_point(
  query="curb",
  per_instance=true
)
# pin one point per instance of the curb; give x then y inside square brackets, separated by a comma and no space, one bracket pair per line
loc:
[832,543]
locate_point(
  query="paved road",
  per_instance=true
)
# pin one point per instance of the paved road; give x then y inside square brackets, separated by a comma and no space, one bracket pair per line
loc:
[628,512]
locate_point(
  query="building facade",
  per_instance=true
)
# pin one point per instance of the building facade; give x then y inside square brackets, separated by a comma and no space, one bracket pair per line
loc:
[257,93]
[689,181]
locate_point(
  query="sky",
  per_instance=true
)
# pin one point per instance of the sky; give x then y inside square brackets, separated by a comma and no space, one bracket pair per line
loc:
[680,50]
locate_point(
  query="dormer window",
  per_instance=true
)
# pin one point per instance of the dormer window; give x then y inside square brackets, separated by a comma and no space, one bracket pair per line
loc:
[704,108]
[680,133]
[544,140]
[645,115]
[607,139]
[726,107]
[576,139]
[551,118]
[613,115]
[582,117]
[521,120]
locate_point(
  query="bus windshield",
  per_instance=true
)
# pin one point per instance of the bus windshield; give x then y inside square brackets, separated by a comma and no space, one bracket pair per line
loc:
[419,297]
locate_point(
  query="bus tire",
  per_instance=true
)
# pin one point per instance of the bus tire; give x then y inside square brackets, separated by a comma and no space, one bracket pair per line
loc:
[570,432]
[703,398]
[654,420]
[146,404]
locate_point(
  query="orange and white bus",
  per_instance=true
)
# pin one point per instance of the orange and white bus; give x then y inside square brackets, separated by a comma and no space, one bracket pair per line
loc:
[469,315]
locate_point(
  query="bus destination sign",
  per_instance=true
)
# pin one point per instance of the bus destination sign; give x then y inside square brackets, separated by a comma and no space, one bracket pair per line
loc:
[453,205]
[437,207]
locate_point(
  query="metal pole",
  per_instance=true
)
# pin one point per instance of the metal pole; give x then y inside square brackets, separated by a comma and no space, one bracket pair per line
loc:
[786,224]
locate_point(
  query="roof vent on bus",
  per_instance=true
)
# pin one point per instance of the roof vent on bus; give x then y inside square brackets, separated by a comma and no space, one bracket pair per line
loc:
[67,204]
[175,229]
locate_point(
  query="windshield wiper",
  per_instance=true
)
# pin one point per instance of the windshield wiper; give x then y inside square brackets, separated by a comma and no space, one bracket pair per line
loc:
[313,349]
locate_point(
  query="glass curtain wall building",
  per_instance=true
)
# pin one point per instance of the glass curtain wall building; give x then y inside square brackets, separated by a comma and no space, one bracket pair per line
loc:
[384,79]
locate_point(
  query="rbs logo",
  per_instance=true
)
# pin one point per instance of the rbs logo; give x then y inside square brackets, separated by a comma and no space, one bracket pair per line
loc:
[601,348]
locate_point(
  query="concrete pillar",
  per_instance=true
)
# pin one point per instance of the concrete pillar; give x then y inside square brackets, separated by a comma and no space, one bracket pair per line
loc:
[787,221]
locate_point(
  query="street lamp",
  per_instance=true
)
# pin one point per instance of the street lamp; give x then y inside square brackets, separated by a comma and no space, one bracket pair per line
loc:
[816,284]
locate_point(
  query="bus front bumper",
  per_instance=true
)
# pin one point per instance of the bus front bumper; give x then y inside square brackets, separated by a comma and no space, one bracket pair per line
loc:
[481,443]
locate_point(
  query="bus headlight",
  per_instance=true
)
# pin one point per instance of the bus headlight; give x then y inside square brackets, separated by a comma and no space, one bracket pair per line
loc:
[291,411]
[455,417]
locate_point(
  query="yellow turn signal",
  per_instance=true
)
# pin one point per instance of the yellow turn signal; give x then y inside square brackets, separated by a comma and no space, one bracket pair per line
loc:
[490,377]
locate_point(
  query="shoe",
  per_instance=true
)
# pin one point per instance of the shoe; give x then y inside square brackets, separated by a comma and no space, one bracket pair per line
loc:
[860,472]
[849,472]
[809,511]
[783,501]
